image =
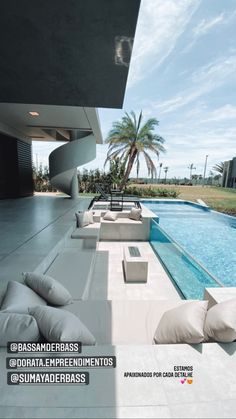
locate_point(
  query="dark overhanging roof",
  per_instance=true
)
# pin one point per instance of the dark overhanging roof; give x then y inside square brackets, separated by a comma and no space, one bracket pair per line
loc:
[66,52]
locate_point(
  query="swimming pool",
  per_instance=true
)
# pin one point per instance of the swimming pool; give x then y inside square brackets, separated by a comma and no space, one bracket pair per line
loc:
[208,236]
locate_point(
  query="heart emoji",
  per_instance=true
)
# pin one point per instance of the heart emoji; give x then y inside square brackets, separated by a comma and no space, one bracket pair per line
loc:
[183,381]
[190,381]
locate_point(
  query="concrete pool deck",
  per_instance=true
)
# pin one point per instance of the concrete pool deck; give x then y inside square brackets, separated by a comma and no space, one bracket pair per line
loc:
[108,277]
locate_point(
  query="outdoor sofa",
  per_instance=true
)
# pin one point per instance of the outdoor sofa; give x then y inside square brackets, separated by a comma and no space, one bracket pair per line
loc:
[122,228]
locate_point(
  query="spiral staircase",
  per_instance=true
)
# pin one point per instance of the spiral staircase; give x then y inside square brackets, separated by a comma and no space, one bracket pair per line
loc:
[64,160]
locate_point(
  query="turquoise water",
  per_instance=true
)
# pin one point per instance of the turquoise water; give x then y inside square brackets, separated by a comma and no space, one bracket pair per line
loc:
[208,236]
[188,276]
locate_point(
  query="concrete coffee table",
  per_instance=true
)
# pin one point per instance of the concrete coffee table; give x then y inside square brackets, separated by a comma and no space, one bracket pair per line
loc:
[135,265]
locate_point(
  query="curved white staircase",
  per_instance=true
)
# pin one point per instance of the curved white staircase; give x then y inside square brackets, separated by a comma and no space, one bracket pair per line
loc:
[64,160]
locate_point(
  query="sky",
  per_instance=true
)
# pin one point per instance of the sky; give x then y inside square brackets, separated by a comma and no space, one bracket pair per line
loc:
[183,73]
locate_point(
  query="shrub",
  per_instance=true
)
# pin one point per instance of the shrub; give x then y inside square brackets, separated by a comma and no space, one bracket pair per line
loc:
[134,190]
[152,192]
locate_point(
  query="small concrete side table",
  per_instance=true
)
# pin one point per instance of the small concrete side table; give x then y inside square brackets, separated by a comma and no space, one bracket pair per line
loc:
[135,265]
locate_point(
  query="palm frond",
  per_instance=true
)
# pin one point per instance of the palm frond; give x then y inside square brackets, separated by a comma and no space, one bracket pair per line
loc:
[219,167]
[150,165]
[115,154]
[139,121]
[128,140]
[115,146]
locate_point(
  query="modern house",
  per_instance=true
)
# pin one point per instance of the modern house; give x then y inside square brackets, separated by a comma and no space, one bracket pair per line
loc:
[229,174]
[104,278]
[60,61]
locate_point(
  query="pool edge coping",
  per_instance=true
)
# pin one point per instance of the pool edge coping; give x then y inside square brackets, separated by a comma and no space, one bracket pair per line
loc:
[196,204]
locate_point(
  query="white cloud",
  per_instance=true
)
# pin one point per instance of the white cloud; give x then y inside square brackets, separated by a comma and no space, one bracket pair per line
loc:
[159,27]
[217,71]
[203,81]
[225,112]
[192,147]
[207,24]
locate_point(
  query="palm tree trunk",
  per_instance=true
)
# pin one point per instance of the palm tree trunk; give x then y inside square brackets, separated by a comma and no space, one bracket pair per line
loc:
[129,168]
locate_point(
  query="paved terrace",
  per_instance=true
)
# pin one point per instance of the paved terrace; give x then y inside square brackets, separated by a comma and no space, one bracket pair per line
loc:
[108,278]
[30,228]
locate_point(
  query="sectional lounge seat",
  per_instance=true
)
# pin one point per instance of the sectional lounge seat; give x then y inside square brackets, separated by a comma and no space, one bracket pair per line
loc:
[89,234]
[123,228]
[122,322]
[73,268]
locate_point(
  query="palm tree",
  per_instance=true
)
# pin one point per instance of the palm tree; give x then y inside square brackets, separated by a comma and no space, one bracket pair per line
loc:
[128,139]
[165,170]
[191,168]
[159,176]
[219,167]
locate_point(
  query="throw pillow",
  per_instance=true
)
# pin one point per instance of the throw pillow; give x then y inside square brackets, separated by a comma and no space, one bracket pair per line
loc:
[48,288]
[19,298]
[18,327]
[84,218]
[58,325]
[110,216]
[135,214]
[183,324]
[220,325]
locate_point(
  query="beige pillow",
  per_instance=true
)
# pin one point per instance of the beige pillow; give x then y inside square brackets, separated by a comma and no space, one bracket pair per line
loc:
[183,324]
[48,288]
[84,218]
[58,325]
[135,214]
[110,216]
[220,325]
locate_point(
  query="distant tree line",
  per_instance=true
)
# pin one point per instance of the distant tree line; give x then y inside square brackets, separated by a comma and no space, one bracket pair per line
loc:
[41,179]
[87,179]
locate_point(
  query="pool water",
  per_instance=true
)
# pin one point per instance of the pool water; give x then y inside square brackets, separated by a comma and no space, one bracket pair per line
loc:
[208,236]
[189,278]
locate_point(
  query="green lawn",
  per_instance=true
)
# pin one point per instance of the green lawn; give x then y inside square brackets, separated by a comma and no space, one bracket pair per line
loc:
[86,194]
[220,199]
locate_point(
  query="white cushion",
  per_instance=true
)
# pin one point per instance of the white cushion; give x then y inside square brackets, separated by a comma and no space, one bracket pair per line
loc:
[84,218]
[182,324]
[110,216]
[135,214]
[220,325]
[58,325]
[18,327]
[19,298]
[50,289]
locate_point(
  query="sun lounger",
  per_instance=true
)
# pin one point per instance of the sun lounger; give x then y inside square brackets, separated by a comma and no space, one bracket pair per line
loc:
[114,196]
